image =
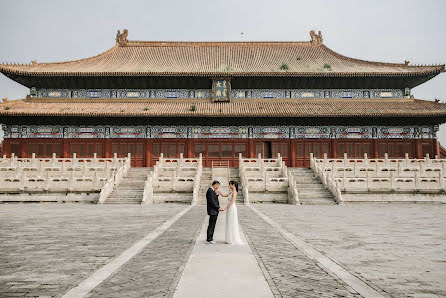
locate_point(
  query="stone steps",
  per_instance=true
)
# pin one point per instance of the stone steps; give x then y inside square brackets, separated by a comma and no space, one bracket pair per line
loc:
[131,188]
[310,189]
[206,181]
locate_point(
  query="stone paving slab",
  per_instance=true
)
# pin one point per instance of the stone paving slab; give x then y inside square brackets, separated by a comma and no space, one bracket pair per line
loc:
[221,270]
[46,249]
[400,248]
[156,270]
[292,272]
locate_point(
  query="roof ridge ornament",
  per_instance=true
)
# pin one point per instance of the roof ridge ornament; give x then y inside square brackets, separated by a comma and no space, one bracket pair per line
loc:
[122,38]
[316,39]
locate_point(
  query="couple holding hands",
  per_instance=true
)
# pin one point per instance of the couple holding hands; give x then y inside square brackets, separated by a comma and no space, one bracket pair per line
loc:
[232,233]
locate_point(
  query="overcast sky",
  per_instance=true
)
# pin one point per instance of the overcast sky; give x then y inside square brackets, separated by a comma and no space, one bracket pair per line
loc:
[379,30]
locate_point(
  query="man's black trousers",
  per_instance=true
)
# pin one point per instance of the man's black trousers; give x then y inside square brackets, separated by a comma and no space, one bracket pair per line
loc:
[211,227]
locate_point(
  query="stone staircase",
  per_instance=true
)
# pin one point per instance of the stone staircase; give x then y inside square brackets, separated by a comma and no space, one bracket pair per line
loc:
[234,174]
[130,189]
[310,189]
[206,181]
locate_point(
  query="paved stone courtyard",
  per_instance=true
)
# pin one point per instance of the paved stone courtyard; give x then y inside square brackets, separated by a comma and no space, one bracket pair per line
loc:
[398,249]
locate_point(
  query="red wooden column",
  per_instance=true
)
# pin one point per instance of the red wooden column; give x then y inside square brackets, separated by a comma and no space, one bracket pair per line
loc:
[190,152]
[6,148]
[148,152]
[23,146]
[251,149]
[65,149]
[333,149]
[375,148]
[418,152]
[293,154]
[107,148]
[436,150]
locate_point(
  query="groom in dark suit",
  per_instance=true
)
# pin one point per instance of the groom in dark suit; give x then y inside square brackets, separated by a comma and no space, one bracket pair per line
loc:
[213,207]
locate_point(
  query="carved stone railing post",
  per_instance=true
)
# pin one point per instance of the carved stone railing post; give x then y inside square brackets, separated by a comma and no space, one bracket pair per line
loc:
[95,180]
[148,190]
[161,159]
[441,181]
[293,195]
[33,160]
[197,182]
[74,160]
[53,160]
[47,181]
[115,160]
[84,169]
[392,188]
[417,183]
[22,183]
[368,181]
[95,160]
[71,182]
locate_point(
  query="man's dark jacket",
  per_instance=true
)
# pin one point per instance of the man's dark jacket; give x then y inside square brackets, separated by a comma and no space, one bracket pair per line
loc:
[212,202]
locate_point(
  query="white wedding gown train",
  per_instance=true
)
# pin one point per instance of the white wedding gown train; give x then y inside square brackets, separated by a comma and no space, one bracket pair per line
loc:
[232,233]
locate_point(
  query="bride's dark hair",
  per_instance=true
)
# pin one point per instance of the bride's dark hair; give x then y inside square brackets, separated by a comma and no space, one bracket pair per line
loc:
[235,183]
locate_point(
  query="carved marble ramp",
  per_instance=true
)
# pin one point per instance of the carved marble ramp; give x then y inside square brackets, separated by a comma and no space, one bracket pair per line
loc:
[221,270]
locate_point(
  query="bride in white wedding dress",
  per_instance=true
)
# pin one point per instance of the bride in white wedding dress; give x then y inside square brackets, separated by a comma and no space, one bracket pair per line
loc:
[232,233]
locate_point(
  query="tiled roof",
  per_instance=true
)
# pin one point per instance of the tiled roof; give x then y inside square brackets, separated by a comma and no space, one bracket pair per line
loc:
[151,58]
[406,107]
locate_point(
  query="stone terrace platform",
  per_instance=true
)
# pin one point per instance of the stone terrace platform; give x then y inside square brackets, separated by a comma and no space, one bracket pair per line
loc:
[391,250]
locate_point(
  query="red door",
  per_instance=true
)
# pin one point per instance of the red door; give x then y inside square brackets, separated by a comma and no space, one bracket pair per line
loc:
[399,148]
[220,151]
[169,149]
[270,149]
[305,147]
[354,148]
[136,149]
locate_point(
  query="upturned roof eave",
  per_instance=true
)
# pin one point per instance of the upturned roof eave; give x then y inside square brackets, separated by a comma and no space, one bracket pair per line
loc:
[434,70]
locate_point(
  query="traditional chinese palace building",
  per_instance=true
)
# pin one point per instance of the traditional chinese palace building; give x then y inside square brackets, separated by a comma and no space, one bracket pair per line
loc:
[221,99]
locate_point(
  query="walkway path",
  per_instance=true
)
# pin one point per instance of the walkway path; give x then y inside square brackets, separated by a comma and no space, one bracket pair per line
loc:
[221,270]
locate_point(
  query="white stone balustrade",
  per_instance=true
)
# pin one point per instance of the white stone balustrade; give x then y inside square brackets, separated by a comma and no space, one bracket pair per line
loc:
[19,167]
[58,175]
[293,195]
[381,175]
[262,175]
[174,175]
